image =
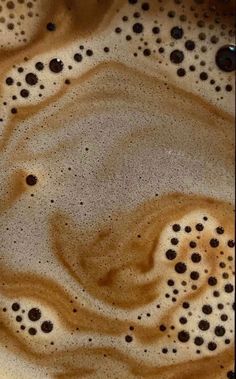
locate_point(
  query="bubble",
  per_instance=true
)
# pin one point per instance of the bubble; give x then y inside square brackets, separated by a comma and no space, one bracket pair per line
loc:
[138,28]
[226,58]
[177,32]
[39,66]
[189,45]
[196,258]
[199,341]
[9,81]
[181,72]
[31,180]
[156,30]
[180,268]
[212,281]
[176,228]
[188,229]
[31,79]
[219,331]
[174,241]
[214,242]
[128,338]
[220,230]
[183,336]
[15,307]
[56,65]
[51,27]
[47,326]
[34,314]
[32,331]
[177,56]
[204,325]
[207,309]
[212,346]
[171,254]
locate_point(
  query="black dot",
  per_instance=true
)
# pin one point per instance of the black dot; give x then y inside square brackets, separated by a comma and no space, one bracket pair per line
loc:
[47,326]
[31,79]
[220,306]
[171,282]
[183,336]
[18,318]
[118,30]
[89,53]
[219,331]
[138,28]
[78,57]
[194,275]
[214,242]
[207,309]
[145,6]
[181,72]
[51,27]
[171,254]
[220,230]
[176,227]
[174,241]
[128,339]
[56,65]
[230,375]
[212,281]
[203,325]
[177,56]
[156,30]
[15,307]
[198,341]
[231,243]
[228,88]
[133,1]
[199,227]
[216,294]
[226,58]
[187,229]
[162,328]
[180,268]
[212,346]
[9,81]
[183,320]
[229,288]
[192,244]
[106,49]
[34,314]
[190,45]
[177,32]
[185,305]
[39,66]
[24,93]
[31,180]
[147,52]
[196,258]
[203,76]
[192,68]
[32,331]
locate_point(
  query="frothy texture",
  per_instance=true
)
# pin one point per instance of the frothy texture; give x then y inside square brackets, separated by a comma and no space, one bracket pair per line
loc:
[116,189]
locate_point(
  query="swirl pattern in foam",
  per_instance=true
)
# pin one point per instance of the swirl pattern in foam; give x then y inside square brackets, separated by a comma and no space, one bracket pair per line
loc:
[116,172]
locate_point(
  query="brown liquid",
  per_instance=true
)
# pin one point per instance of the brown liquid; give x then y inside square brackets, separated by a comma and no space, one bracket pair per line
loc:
[116,190]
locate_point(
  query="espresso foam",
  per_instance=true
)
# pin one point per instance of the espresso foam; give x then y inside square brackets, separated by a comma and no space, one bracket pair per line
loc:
[116,189]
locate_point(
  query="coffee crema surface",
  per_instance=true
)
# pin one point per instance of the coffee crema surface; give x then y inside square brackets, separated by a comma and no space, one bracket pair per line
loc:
[117,189]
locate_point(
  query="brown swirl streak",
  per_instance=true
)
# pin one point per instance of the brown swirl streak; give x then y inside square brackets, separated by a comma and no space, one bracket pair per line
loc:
[27,111]
[15,189]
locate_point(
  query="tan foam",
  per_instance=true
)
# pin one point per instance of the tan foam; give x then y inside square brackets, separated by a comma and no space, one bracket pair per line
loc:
[123,153]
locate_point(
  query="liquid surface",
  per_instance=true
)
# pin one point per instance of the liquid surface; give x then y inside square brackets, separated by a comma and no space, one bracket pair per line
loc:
[116,189]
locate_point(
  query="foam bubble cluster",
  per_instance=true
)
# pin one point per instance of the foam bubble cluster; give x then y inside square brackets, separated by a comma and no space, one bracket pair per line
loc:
[116,189]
